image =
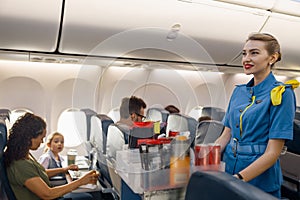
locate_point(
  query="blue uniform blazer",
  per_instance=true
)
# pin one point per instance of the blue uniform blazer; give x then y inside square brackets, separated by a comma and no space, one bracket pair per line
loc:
[253,120]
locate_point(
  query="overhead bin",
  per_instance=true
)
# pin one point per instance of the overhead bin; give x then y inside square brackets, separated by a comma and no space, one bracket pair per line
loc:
[265,4]
[284,24]
[287,30]
[16,56]
[205,32]
[30,25]
[288,7]
[138,29]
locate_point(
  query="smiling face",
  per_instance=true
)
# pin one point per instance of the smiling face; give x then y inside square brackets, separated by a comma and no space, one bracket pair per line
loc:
[256,59]
[57,144]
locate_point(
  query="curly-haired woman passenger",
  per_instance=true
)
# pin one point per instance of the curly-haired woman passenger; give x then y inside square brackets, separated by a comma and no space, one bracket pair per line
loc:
[28,179]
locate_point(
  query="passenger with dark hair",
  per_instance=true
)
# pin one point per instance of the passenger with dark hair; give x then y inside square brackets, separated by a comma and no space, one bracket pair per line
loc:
[137,108]
[29,179]
[172,109]
[259,118]
[202,118]
[131,110]
[124,112]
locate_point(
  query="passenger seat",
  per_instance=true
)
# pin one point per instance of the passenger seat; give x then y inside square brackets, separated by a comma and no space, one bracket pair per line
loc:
[6,192]
[290,162]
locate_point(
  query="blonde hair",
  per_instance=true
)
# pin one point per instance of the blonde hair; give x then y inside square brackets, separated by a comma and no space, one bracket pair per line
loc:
[50,138]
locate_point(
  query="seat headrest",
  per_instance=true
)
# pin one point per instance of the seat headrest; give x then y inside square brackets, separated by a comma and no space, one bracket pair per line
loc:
[214,112]
[5,113]
[157,114]
[3,136]
[215,185]
[208,131]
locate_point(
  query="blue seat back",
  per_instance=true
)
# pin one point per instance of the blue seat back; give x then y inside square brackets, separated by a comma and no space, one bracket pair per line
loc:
[208,131]
[5,113]
[216,185]
[105,121]
[213,112]
[297,113]
[6,191]
[88,113]
[99,126]
[158,114]
[293,145]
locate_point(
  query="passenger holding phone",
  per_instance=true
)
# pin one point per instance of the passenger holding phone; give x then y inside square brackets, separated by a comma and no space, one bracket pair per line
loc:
[29,180]
[259,118]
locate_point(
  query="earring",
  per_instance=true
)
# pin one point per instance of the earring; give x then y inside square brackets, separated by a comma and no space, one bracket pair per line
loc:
[270,63]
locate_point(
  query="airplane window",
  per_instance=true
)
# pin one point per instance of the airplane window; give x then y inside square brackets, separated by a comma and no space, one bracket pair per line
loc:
[15,114]
[114,114]
[72,124]
[196,112]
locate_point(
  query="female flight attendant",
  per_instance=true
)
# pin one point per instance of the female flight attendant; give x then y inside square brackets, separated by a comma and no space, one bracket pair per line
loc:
[259,118]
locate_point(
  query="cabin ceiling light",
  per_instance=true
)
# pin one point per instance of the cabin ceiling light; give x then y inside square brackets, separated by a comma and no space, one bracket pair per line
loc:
[173,33]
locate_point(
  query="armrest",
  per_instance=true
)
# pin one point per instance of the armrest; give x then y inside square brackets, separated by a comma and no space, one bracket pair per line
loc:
[58,180]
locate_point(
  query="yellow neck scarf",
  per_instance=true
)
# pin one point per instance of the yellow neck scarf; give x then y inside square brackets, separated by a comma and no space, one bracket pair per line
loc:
[276,93]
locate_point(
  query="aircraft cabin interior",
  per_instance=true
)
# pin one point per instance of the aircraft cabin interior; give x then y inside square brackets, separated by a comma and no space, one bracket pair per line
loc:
[72,62]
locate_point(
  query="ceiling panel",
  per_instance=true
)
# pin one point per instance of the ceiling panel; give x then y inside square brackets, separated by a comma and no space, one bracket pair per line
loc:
[16,56]
[29,25]
[289,7]
[265,4]
[208,32]
[287,30]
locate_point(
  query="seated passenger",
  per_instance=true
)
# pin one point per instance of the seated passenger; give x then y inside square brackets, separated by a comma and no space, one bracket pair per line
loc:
[172,109]
[131,110]
[51,158]
[29,179]
[202,118]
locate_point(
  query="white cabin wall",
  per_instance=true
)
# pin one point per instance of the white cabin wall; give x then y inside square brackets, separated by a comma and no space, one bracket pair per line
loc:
[47,89]
[182,88]
[116,83]
[76,91]
[210,89]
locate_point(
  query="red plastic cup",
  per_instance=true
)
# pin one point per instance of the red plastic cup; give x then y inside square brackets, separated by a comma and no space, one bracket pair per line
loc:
[201,155]
[214,154]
